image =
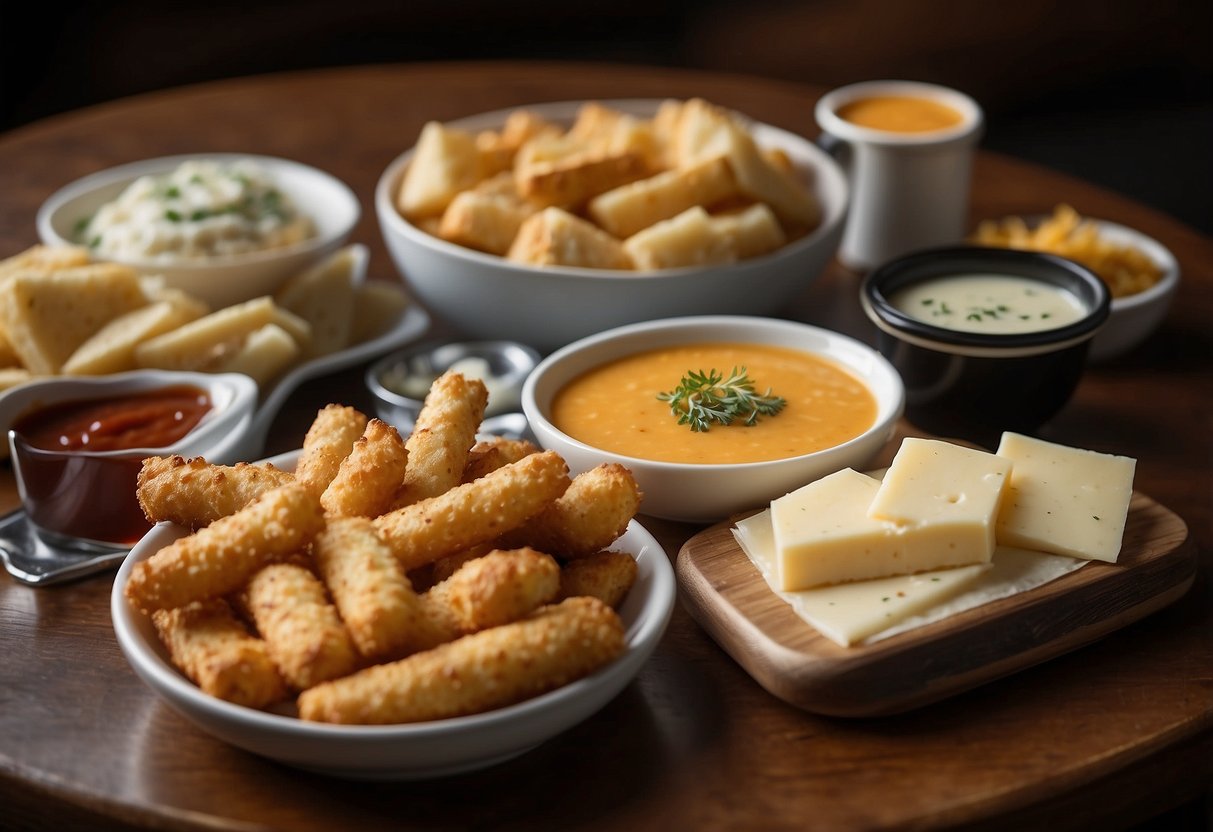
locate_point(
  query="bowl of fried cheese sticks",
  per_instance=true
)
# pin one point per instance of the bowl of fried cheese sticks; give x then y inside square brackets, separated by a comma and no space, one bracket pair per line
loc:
[555,221]
[355,608]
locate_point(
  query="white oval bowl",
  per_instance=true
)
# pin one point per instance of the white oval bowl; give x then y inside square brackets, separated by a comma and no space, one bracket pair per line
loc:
[220,281]
[707,493]
[489,297]
[1134,318]
[401,752]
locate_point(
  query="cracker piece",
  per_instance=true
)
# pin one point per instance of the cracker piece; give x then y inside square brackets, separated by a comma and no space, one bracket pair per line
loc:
[324,297]
[209,341]
[112,348]
[265,354]
[554,237]
[445,162]
[378,305]
[44,259]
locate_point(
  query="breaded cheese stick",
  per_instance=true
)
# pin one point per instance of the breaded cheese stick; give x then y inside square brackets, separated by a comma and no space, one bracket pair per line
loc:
[587,518]
[208,644]
[445,567]
[301,629]
[221,557]
[367,479]
[606,576]
[443,434]
[551,647]
[374,597]
[329,439]
[475,512]
[495,589]
[490,454]
[195,493]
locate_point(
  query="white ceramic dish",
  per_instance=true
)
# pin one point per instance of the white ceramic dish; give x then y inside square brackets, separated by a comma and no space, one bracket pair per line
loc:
[221,281]
[402,752]
[490,297]
[707,493]
[1135,317]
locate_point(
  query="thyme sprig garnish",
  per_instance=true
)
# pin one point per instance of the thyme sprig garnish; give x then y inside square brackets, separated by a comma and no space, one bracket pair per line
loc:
[702,399]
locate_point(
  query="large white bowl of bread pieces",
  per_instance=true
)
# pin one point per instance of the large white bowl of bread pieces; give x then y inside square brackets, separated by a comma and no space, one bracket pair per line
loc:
[551,222]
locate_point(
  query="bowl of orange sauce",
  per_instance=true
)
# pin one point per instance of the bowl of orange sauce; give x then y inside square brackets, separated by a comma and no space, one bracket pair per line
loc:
[786,403]
[77,444]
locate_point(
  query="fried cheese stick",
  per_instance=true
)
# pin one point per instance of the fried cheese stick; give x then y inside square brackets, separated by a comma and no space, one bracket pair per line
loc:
[208,644]
[588,517]
[221,557]
[490,669]
[443,434]
[301,629]
[329,439]
[374,597]
[496,589]
[490,454]
[606,576]
[195,493]
[367,479]
[475,512]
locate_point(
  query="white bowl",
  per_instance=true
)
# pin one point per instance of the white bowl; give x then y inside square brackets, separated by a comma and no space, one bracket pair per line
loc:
[490,297]
[707,493]
[402,752]
[220,281]
[1134,317]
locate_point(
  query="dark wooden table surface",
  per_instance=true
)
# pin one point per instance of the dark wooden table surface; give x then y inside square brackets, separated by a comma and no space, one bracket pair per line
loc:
[1112,734]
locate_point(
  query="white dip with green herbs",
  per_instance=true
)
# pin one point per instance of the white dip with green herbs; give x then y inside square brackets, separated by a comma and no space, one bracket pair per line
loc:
[993,303]
[202,209]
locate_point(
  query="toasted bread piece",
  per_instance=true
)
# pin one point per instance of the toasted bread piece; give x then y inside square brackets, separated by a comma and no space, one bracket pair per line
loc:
[378,305]
[44,259]
[608,132]
[751,231]
[689,239]
[265,354]
[664,127]
[209,341]
[484,222]
[47,315]
[155,291]
[497,149]
[11,377]
[112,348]
[8,355]
[445,162]
[630,208]
[324,297]
[554,237]
[560,172]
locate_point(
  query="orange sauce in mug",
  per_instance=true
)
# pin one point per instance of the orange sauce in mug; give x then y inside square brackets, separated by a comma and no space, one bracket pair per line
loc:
[615,406]
[900,114]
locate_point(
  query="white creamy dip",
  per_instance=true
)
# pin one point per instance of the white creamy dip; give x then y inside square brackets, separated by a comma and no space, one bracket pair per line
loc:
[993,303]
[202,209]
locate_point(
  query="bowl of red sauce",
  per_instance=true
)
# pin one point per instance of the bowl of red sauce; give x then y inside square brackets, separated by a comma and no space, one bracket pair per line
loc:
[77,444]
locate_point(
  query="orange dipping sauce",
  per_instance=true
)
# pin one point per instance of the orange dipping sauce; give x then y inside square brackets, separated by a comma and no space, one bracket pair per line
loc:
[900,114]
[81,495]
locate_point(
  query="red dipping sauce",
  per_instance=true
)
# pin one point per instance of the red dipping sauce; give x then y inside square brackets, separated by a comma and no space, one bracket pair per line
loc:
[68,488]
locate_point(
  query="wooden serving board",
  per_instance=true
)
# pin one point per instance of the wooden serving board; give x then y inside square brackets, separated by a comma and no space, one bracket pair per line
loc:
[729,598]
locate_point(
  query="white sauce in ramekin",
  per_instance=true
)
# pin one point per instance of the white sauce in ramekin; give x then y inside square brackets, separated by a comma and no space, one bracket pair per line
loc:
[992,303]
[202,209]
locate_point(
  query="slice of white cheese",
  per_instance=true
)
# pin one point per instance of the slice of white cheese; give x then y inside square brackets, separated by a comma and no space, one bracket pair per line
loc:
[1065,500]
[869,611]
[947,492]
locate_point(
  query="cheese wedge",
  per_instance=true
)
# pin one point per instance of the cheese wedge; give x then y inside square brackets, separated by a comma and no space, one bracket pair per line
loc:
[1065,500]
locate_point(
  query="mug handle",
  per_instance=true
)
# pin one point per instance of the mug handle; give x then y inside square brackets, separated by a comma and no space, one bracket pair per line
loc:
[836,147]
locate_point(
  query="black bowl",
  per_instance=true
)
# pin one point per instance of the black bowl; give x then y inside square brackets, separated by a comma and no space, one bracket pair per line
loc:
[974,385]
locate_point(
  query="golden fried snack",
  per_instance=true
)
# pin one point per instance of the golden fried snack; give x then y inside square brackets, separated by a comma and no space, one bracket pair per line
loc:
[491,669]
[221,557]
[490,454]
[606,576]
[475,512]
[371,592]
[195,493]
[444,432]
[302,631]
[587,518]
[208,644]
[445,567]
[495,589]
[367,479]
[329,440]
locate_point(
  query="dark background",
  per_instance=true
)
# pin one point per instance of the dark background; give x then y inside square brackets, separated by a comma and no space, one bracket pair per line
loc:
[1119,93]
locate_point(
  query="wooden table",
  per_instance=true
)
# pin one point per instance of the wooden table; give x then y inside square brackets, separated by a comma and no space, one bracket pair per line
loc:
[1112,734]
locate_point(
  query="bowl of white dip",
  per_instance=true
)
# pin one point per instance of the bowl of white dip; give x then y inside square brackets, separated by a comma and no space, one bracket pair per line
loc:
[224,227]
[985,339]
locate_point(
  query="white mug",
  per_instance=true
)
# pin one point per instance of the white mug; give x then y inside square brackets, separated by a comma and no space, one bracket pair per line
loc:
[909,190]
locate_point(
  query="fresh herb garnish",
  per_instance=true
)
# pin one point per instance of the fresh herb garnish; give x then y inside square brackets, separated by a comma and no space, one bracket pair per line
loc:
[702,398]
